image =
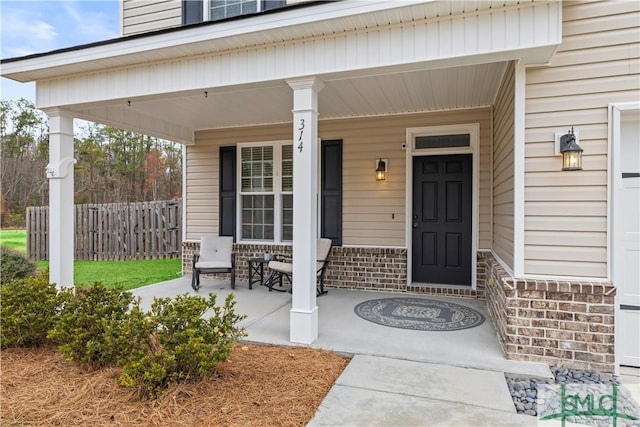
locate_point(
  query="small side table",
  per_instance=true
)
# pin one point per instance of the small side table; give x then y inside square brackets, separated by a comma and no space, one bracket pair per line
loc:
[256,268]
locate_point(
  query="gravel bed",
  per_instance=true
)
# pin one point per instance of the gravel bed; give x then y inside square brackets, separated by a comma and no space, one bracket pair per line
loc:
[524,392]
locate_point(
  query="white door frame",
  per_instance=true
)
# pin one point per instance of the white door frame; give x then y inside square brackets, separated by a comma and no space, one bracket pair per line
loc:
[473,129]
[614,222]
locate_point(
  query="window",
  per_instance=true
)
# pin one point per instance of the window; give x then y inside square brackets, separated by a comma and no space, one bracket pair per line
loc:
[266,192]
[443,141]
[195,11]
[221,9]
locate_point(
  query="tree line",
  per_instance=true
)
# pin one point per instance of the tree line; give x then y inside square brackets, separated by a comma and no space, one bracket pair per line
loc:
[113,165]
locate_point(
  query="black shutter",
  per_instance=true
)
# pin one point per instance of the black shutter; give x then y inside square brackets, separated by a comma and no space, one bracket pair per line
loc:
[191,11]
[227,221]
[331,191]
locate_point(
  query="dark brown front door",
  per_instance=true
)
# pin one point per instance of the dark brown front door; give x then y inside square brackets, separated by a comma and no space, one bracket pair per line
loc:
[442,217]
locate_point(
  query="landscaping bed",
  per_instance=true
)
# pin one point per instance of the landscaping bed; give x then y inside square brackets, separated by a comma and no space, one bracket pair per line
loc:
[257,386]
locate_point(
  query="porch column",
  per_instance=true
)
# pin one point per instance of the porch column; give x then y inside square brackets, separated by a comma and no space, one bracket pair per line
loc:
[304,311]
[60,174]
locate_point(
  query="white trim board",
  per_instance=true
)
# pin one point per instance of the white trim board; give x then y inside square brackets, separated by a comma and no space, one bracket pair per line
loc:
[519,170]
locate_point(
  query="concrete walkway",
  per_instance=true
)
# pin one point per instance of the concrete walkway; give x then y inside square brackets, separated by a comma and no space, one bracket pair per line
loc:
[396,377]
[377,391]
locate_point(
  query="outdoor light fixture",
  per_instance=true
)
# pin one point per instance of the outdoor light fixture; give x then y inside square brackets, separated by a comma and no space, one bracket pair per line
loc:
[571,152]
[381,170]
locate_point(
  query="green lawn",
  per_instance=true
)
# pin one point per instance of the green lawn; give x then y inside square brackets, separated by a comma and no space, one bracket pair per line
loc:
[128,274]
[16,239]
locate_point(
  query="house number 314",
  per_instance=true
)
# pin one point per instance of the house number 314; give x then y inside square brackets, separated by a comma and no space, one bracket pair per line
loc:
[301,129]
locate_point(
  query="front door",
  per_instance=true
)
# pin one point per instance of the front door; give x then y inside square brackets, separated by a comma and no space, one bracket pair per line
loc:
[442,218]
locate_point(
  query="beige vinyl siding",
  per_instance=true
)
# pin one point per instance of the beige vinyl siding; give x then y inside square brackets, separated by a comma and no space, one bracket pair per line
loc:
[143,16]
[373,212]
[596,64]
[503,187]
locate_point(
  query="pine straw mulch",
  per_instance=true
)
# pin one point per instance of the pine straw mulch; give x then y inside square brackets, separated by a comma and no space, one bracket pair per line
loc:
[258,386]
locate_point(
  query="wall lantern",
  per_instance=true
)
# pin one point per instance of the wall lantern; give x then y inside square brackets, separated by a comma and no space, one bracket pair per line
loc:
[571,152]
[381,170]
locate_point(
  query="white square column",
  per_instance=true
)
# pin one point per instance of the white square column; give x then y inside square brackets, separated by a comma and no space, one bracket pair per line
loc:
[60,174]
[304,311]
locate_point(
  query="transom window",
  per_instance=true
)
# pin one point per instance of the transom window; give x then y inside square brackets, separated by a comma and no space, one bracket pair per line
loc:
[266,191]
[443,141]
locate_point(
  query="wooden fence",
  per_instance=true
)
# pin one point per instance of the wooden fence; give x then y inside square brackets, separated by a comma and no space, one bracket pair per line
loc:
[115,231]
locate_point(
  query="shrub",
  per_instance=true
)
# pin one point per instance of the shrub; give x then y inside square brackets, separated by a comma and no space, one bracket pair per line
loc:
[179,343]
[14,265]
[29,310]
[93,324]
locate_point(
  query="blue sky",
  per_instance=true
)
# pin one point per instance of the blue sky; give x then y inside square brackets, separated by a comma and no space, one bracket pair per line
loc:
[28,27]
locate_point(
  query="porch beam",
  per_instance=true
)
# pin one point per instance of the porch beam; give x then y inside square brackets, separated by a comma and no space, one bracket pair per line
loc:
[304,311]
[60,172]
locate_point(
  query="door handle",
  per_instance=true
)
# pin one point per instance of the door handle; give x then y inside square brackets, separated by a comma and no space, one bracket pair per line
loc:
[415,225]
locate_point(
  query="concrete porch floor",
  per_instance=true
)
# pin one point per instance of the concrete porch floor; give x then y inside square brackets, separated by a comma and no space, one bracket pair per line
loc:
[341,330]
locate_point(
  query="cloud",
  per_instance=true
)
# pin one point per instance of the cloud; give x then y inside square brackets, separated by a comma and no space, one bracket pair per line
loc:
[28,27]
[24,33]
[41,26]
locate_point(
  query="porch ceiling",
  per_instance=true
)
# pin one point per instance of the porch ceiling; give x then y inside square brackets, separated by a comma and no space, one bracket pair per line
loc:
[355,96]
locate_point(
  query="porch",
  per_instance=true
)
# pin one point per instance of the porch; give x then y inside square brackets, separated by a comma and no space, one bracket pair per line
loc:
[339,91]
[341,330]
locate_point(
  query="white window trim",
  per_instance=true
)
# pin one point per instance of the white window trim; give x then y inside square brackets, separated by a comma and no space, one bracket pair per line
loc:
[277,190]
[473,130]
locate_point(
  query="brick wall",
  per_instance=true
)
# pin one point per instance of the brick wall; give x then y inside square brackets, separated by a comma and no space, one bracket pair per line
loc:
[567,323]
[349,268]
[380,269]
[368,268]
[457,291]
[242,251]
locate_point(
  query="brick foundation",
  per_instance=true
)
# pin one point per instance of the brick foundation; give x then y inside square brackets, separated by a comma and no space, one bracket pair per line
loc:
[376,269]
[382,269]
[457,291]
[563,323]
[242,251]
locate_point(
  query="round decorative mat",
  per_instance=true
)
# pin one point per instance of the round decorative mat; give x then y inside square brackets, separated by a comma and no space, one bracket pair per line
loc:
[419,313]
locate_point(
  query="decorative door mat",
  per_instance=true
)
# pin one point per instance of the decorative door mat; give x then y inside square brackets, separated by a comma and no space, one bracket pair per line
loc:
[419,313]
